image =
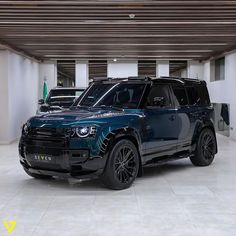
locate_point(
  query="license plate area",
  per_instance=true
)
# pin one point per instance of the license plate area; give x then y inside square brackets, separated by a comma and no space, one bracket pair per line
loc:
[41,158]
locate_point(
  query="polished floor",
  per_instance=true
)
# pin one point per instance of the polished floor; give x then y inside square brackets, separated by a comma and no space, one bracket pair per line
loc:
[173,199]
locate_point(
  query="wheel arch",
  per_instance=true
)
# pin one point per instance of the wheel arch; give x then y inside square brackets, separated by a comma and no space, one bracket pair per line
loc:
[199,129]
[123,133]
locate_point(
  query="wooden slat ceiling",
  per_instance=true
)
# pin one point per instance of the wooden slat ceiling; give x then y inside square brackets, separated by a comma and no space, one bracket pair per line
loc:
[177,65]
[147,68]
[66,69]
[101,30]
[97,69]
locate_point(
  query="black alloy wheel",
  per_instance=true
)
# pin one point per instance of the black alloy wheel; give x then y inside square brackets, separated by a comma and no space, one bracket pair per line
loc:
[125,165]
[206,148]
[122,165]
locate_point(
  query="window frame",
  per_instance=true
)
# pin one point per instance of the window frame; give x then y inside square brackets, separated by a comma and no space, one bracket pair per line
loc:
[173,96]
[172,105]
[194,87]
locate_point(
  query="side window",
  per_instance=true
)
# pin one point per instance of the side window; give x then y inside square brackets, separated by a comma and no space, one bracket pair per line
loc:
[203,94]
[180,96]
[193,96]
[159,92]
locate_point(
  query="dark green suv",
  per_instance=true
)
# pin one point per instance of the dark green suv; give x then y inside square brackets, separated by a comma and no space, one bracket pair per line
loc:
[117,126]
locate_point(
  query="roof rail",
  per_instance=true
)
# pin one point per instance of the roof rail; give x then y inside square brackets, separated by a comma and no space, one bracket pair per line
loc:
[192,80]
[139,78]
[124,78]
[172,78]
[100,78]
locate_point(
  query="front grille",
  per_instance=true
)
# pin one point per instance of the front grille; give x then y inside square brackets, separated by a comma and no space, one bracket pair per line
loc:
[48,132]
[48,137]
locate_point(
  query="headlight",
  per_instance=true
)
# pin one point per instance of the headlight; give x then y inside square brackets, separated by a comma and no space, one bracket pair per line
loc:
[83,131]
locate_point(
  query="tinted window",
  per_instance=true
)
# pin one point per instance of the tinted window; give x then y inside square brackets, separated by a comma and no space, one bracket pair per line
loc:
[180,95]
[63,97]
[114,94]
[93,93]
[220,69]
[157,92]
[198,95]
[193,96]
[203,94]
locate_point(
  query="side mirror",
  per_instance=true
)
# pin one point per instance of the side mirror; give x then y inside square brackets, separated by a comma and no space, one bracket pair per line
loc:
[159,101]
[44,108]
[41,102]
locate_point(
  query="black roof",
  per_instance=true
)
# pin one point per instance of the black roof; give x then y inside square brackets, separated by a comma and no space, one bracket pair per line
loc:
[67,88]
[162,79]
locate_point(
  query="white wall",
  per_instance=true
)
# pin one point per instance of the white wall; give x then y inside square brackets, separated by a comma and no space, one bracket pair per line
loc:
[81,74]
[195,70]
[4,116]
[47,70]
[122,69]
[224,91]
[20,82]
[162,68]
[22,90]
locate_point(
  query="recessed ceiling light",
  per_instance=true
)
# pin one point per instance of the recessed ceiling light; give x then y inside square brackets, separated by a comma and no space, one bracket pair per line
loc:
[131,16]
[114,59]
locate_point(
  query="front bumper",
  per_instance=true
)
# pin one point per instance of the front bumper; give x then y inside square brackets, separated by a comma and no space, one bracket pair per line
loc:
[59,161]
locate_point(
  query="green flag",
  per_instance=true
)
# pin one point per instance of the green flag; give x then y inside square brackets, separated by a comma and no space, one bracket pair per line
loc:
[45,90]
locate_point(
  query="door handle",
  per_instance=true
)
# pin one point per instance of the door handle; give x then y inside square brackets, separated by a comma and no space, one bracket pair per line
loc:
[172,117]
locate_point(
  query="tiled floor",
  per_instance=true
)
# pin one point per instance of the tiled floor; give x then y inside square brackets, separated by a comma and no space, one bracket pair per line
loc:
[173,199]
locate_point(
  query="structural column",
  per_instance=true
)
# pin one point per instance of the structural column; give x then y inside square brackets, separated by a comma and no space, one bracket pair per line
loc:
[122,69]
[4,100]
[19,78]
[162,68]
[81,74]
[48,72]
[195,70]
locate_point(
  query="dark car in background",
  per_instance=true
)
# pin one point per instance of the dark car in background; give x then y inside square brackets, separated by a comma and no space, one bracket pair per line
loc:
[118,126]
[58,99]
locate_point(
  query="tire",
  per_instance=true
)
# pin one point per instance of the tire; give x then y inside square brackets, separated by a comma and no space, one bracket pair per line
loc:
[37,176]
[122,165]
[205,150]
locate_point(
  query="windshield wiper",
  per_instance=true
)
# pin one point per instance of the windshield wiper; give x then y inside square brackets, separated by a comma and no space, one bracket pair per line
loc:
[80,107]
[109,107]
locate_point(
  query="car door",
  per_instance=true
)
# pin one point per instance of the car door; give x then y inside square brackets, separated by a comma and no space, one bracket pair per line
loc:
[161,126]
[186,116]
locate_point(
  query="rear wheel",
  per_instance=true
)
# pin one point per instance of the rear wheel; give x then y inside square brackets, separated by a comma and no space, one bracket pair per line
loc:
[37,176]
[122,165]
[206,148]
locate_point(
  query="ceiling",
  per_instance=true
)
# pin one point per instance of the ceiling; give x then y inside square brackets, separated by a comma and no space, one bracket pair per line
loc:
[66,69]
[126,29]
[177,66]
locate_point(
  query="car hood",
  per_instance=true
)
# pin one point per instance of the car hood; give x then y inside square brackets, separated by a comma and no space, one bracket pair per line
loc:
[70,117]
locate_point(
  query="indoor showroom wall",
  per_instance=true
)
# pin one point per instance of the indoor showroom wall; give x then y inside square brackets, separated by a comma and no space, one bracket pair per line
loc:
[224,91]
[195,70]
[48,71]
[19,78]
[122,69]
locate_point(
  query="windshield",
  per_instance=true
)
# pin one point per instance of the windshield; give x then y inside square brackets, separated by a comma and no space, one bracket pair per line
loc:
[121,95]
[63,97]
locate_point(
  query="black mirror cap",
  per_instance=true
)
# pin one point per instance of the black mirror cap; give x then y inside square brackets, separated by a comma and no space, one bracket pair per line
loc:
[45,108]
[41,101]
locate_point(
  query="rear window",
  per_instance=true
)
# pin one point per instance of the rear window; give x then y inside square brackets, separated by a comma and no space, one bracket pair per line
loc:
[198,95]
[180,95]
[204,95]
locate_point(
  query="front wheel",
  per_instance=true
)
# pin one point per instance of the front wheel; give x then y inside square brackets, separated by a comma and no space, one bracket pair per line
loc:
[206,148]
[122,165]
